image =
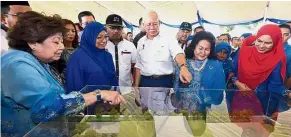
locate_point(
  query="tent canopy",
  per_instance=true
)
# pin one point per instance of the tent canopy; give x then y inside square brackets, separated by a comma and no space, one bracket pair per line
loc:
[171,12]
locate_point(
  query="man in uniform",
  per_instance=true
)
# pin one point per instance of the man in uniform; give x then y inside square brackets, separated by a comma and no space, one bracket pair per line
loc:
[123,52]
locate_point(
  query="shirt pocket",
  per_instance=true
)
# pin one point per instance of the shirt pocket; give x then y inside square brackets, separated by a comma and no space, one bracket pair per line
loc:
[125,57]
[162,54]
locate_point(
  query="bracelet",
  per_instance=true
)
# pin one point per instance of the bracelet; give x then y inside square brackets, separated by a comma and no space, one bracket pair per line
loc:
[97,93]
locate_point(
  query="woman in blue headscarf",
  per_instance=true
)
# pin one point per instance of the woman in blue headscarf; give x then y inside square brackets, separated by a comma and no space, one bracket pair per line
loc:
[91,64]
[222,51]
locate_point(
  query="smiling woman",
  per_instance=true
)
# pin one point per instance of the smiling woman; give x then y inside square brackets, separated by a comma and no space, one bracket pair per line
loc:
[207,73]
[32,92]
[91,64]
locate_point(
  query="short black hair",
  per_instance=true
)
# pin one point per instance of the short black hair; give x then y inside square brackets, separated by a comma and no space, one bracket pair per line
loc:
[285,26]
[5,5]
[203,35]
[5,9]
[199,27]
[140,21]
[128,33]
[228,36]
[85,13]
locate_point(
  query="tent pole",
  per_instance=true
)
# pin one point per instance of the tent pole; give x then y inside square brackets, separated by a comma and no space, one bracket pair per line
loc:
[266,12]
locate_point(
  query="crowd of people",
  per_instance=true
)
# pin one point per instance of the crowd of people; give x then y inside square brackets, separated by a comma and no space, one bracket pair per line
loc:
[47,60]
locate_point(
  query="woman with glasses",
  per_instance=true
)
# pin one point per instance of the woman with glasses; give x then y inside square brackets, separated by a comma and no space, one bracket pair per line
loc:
[91,64]
[32,92]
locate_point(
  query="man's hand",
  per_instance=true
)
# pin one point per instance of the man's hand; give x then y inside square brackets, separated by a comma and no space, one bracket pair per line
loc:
[185,75]
[113,97]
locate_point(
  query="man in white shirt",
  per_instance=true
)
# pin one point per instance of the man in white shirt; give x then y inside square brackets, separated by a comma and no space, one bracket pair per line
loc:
[10,10]
[123,52]
[154,64]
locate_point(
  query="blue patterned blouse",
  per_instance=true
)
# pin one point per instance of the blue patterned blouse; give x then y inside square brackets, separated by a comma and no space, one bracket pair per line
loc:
[206,87]
[30,94]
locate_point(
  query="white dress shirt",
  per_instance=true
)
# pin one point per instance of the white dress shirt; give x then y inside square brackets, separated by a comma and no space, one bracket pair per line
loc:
[156,57]
[4,42]
[126,56]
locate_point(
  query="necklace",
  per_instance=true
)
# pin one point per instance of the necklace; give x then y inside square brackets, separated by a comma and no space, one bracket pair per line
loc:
[52,71]
[202,66]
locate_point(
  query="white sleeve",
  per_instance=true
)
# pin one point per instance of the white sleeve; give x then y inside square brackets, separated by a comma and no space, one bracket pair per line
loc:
[174,48]
[138,59]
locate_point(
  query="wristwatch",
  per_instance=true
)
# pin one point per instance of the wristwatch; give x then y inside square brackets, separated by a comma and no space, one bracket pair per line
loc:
[97,93]
[184,64]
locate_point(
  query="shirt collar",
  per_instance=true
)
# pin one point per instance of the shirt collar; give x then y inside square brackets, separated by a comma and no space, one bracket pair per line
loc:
[121,39]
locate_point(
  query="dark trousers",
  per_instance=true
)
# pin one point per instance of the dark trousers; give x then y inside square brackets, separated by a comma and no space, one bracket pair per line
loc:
[165,81]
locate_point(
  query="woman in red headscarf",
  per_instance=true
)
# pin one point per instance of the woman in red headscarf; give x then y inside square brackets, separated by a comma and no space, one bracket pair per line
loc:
[261,71]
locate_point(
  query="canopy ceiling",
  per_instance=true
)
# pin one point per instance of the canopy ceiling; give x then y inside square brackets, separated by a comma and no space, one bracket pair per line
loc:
[170,12]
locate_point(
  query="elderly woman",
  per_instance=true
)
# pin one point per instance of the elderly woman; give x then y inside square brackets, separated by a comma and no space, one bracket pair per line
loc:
[91,64]
[208,81]
[261,71]
[31,92]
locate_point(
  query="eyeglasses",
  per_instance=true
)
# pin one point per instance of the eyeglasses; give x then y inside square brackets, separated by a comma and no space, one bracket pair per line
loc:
[116,28]
[15,15]
[152,24]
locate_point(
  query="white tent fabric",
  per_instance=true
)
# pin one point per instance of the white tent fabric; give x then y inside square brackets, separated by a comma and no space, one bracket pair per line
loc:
[170,12]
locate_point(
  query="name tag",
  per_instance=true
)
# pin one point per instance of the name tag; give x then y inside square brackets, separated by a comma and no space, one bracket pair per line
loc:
[125,52]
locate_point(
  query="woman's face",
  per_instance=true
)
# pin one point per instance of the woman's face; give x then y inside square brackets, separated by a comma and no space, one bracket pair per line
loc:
[202,50]
[71,33]
[264,43]
[222,55]
[50,50]
[101,40]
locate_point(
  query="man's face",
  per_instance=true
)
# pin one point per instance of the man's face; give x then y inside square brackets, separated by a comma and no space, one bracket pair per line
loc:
[152,26]
[198,30]
[286,34]
[235,42]
[115,32]
[10,19]
[223,38]
[129,37]
[183,35]
[86,20]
